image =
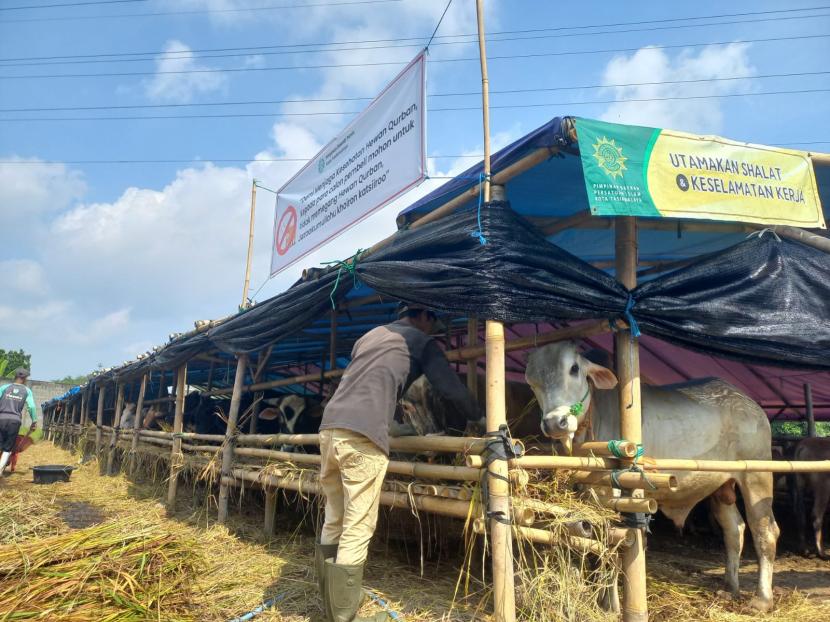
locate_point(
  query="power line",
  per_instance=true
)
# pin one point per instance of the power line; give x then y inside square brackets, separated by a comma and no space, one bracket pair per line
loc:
[451,109]
[269,160]
[198,55]
[456,94]
[286,49]
[400,63]
[52,6]
[277,7]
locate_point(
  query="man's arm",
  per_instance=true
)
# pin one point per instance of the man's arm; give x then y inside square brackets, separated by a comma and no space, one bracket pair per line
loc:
[30,402]
[444,380]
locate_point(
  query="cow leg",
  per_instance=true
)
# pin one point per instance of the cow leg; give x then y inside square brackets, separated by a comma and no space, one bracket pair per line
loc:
[757,492]
[733,526]
[820,500]
[800,512]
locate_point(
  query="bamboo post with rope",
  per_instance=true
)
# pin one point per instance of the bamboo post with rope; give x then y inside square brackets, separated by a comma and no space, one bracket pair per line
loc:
[230,435]
[247,284]
[99,419]
[808,410]
[116,421]
[635,607]
[137,423]
[501,537]
[176,449]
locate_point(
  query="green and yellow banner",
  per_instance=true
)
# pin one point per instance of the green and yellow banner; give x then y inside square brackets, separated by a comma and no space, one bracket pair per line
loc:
[643,171]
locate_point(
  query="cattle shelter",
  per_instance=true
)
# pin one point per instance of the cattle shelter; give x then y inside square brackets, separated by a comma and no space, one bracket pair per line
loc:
[668,300]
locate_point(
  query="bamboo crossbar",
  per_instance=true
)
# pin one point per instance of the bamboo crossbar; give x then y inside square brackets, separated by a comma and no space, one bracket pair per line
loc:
[595,463]
[406,444]
[629,504]
[433,504]
[541,536]
[412,469]
[628,479]
[588,329]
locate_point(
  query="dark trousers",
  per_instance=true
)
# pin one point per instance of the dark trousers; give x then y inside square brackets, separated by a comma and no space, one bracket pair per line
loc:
[8,433]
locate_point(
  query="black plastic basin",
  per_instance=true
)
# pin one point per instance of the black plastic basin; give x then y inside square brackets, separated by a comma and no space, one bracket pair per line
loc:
[51,473]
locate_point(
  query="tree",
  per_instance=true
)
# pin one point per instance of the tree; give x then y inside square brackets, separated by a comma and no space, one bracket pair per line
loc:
[73,380]
[11,360]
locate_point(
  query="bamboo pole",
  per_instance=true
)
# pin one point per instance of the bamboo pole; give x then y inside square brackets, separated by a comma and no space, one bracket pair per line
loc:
[406,444]
[99,419]
[176,448]
[600,448]
[137,422]
[227,451]
[270,512]
[427,503]
[587,329]
[541,536]
[636,480]
[119,407]
[808,410]
[635,607]
[412,469]
[627,504]
[244,303]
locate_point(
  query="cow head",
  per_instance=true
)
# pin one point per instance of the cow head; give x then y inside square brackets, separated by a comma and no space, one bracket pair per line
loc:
[561,379]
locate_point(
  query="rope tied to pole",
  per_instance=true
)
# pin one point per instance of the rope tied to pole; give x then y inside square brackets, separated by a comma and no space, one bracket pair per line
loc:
[499,445]
[629,317]
[350,266]
[478,232]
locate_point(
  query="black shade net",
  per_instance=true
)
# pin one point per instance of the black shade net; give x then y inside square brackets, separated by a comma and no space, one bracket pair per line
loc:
[763,301]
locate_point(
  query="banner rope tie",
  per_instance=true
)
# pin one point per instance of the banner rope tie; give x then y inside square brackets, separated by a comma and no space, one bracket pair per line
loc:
[478,232]
[629,317]
[350,266]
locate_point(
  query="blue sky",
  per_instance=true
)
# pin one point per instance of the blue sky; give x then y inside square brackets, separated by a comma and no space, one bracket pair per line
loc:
[106,259]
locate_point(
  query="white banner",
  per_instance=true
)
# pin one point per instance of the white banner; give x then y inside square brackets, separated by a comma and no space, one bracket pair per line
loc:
[378,157]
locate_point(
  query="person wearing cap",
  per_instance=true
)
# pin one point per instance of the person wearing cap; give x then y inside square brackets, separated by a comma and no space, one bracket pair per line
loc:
[354,446]
[14,399]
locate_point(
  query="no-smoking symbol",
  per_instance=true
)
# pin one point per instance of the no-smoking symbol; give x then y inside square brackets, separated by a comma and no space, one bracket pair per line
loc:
[286,230]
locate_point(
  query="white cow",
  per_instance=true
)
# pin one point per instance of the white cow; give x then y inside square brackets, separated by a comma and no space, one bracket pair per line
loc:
[701,419]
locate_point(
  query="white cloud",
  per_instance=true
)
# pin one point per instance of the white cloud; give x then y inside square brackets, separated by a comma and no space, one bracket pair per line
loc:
[181,87]
[651,65]
[22,279]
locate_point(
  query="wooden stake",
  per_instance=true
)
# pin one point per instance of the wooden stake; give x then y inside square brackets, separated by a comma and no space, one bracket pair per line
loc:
[227,451]
[270,511]
[99,419]
[808,410]
[137,423]
[635,607]
[119,406]
[244,303]
[176,450]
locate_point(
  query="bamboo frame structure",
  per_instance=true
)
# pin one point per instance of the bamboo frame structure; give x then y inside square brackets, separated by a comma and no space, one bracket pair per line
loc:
[99,418]
[119,407]
[227,452]
[176,447]
[137,422]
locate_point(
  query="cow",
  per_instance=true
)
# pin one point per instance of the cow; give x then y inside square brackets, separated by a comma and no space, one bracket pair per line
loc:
[292,414]
[700,419]
[819,484]
[127,421]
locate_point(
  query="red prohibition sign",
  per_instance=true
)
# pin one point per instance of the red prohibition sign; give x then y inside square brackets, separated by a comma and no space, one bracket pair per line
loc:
[286,230]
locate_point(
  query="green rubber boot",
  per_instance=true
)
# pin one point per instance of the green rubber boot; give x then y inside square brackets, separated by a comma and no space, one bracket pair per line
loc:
[322,552]
[344,588]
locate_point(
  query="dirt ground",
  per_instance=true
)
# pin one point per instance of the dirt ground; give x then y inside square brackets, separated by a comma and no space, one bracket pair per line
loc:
[685,574]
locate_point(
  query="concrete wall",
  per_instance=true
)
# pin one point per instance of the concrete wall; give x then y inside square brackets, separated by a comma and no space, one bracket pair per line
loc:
[43,391]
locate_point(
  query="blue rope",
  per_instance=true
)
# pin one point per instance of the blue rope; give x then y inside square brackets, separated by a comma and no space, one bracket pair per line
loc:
[261,609]
[478,233]
[392,614]
[632,323]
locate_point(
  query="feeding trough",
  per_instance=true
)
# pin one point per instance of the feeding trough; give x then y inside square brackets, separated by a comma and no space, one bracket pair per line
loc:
[51,473]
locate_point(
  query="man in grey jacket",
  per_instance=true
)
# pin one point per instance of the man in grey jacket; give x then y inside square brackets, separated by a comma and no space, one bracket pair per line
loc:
[354,446]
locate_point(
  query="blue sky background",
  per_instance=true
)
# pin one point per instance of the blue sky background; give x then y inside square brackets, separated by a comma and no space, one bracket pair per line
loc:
[101,261]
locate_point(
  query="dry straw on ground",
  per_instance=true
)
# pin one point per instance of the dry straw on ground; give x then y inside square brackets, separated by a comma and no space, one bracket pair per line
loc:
[137,563]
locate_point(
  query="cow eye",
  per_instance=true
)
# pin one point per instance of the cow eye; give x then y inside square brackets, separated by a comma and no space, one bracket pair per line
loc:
[574,369]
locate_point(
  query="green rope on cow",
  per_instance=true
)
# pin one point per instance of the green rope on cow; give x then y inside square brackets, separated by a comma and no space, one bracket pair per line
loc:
[350,266]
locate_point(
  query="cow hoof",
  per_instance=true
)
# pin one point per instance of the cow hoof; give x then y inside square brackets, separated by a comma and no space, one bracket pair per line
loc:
[761,605]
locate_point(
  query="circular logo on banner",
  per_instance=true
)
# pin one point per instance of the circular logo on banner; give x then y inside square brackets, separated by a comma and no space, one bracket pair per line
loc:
[609,157]
[682,182]
[286,230]
[321,164]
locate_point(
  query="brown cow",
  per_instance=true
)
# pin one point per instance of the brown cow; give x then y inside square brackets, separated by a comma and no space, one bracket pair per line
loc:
[818,483]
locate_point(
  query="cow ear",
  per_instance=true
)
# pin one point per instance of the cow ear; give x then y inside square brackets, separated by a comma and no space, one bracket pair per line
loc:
[602,377]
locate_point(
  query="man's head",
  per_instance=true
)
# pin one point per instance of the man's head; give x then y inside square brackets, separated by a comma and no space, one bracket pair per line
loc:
[419,317]
[21,374]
